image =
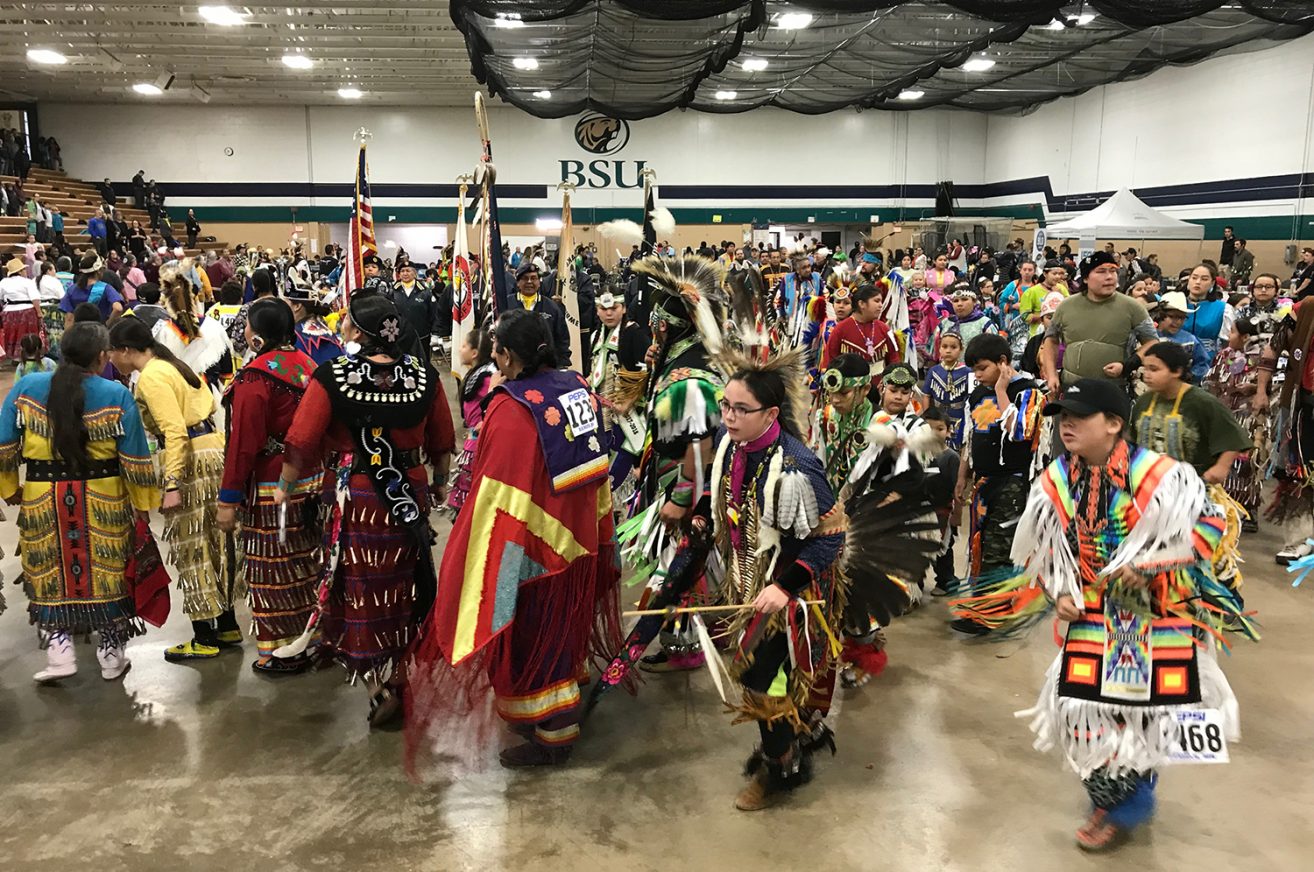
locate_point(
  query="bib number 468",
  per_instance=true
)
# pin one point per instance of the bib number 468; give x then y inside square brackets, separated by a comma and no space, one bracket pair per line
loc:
[1200,737]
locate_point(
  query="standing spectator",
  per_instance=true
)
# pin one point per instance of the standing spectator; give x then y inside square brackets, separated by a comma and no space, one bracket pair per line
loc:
[137,240]
[96,230]
[193,228]
[139,189]
[1228,251]
[57,240]
[1243,264]
[1302,281]
[133,278]
[56,155]
[1094,328]
[107,194]
[113,239]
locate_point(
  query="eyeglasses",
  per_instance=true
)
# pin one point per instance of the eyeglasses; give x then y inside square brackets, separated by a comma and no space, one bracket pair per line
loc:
[731,411]
[1265,286]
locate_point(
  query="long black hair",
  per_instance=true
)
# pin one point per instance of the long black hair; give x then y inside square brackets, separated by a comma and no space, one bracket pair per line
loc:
[132,333]
[768,388]
[481,340]
[271,320]
[80,350]
[525,334]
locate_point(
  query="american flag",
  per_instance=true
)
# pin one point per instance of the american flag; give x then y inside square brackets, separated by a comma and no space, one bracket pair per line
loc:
[360,240]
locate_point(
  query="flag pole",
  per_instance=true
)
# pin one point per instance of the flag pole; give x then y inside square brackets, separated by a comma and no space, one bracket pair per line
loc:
[565,291]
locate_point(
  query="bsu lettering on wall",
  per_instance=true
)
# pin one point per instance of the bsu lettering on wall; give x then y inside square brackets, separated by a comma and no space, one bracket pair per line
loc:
[599,134]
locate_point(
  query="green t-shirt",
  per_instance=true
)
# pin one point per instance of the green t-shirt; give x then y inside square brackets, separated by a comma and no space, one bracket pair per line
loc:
[1202,429]
[1096,333]
[1032,297]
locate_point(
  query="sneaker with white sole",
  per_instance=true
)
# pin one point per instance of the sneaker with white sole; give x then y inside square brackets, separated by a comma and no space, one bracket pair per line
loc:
[113,659]
[61,659]
[1291,553]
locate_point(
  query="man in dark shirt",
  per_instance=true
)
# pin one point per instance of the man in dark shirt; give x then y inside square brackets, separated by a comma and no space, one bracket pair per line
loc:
[528,295]
[417,303]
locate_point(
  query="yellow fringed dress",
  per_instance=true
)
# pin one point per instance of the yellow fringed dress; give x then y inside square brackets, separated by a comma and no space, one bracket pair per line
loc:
[192,461]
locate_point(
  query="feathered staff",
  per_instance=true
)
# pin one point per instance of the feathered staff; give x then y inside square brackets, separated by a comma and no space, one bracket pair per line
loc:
[491,263]
[623,232]
[463,316]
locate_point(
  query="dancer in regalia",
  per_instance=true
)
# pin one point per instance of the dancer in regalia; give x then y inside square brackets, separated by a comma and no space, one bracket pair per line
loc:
[528,585]
[373,419]
[682,412]
[1121,540]
[839,434]
[618,374]
[281,560]
[88,476]
[178,407]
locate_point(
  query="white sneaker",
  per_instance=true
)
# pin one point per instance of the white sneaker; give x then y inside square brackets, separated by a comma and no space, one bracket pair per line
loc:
[1291,553]
[61,659]
[114,661]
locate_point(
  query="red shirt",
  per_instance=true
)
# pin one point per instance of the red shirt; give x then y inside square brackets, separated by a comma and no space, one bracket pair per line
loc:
[872,341]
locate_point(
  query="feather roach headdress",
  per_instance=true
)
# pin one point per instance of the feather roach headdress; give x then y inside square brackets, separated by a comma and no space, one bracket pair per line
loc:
[694,293]
[751,306]
[179,296]
[785,365]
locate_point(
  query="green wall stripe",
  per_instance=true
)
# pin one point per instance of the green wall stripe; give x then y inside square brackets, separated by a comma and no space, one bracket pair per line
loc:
[1252,227]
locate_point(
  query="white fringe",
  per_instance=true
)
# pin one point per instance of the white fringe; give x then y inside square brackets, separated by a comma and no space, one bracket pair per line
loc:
[794,510]
[1162,537]
[1123,738]
[1040,546]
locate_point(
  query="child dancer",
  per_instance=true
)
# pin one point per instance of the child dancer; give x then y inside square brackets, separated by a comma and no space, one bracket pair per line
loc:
[946,386]
[476,353]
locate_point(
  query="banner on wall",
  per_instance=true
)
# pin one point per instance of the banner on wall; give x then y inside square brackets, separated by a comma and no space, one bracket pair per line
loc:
[1038,244]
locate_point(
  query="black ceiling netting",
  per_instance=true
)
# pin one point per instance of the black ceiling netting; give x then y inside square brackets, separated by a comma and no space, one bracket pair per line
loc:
[640,58]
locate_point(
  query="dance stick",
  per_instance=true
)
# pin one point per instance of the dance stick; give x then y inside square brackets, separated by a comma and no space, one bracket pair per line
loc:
[694,610]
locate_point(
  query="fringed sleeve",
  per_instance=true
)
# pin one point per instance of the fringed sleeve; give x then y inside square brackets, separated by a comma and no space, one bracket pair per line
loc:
[135,463]
[802,506]
[1021,420]
[1172,512]
[1040,544]
[11,441]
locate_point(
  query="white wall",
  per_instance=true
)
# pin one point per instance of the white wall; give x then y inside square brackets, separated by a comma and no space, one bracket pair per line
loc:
[314,144]
[1228,118]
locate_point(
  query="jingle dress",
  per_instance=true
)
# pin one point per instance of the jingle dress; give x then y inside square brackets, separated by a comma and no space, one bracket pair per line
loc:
[371,425]
[182,418]
[75,528]
[281,576]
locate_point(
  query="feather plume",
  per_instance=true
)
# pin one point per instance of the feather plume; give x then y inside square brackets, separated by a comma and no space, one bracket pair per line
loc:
[822,253]
[663,222]
[622,230]
[747,292]
[790,366]
[178,296]
[699,282]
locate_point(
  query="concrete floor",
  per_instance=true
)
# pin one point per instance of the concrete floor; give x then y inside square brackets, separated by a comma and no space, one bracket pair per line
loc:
[210,767]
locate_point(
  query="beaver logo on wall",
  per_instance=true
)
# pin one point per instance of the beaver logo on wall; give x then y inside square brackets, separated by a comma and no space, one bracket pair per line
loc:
[601,135]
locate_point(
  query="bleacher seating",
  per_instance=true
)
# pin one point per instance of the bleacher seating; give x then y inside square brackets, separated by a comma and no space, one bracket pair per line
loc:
[78,199]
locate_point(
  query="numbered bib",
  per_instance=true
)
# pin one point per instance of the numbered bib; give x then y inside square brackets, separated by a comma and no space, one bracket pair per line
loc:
[1200,737]
[579,412]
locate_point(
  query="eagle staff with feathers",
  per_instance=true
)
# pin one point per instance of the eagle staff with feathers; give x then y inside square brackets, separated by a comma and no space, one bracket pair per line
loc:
[767,532]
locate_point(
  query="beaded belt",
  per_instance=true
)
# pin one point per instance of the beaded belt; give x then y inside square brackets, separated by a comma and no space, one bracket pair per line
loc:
[403,458]
[58,470]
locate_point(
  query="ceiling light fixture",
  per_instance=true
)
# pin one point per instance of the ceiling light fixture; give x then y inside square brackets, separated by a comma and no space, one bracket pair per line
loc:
[977,65]
[45,56]
[148,89]
[1057,25]
[508,19]
[543,95]
[726,95]
[911,94]
[525,63]
[754,65]
[297,61]
[794,20]
[224,16]
[349,93]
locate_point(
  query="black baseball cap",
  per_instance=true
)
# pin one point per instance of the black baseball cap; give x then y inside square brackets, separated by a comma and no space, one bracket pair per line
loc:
[1089,396]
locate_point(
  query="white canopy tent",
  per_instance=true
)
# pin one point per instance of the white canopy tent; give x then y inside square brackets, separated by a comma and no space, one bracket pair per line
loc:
[1124,216]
